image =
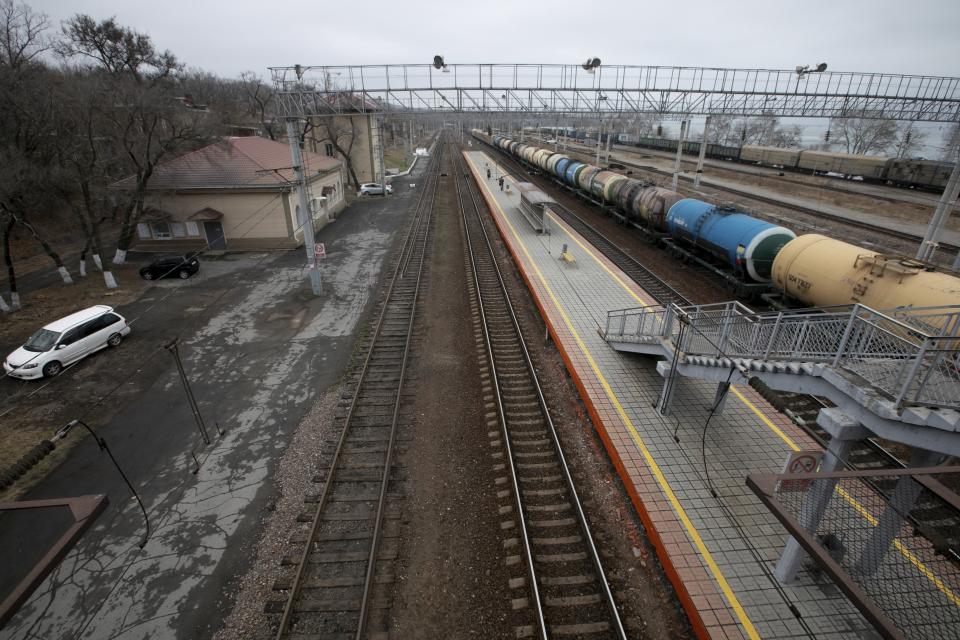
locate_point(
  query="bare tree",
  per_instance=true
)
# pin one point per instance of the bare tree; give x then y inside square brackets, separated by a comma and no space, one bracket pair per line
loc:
[118,49]
[27,144]
[22,33]
[909,140]
[88,163]
[952,147]
[863,134]
[6,228]
[147,122]
[757,130]
[259,101]
[342,136]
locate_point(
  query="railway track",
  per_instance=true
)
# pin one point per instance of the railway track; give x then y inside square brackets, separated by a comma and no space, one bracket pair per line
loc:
[867,455]
[568,592]
[342,573]
[742,168]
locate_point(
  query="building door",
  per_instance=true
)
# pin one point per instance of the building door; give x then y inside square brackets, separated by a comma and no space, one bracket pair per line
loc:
[214,231]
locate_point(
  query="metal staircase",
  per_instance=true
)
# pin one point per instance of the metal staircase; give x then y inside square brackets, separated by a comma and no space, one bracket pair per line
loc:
[900,366]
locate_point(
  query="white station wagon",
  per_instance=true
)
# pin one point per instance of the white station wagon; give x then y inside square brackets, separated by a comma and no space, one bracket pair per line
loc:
[65,341]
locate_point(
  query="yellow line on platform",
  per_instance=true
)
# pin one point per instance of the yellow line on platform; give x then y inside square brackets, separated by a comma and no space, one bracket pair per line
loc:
[635,435]
[849,499]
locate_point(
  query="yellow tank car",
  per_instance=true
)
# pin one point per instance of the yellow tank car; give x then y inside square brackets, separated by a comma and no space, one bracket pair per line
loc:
[822,272]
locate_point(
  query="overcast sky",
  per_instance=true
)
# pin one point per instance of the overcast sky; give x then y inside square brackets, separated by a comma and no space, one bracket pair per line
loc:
[917,37]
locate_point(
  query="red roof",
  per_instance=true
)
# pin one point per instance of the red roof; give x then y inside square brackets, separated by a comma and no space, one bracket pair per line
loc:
[233,163]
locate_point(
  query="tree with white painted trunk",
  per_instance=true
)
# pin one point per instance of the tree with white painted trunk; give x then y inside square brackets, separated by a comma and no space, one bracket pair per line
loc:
[6,228]
[146,118]
[88,163]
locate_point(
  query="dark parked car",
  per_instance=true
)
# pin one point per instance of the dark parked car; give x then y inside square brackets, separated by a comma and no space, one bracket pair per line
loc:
[171,267]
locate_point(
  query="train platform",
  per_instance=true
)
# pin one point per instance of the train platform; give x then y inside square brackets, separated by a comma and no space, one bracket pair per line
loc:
[719,553]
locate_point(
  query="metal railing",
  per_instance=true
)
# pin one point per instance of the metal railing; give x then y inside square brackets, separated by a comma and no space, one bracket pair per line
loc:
[611,89]
[912,355]
[887,554]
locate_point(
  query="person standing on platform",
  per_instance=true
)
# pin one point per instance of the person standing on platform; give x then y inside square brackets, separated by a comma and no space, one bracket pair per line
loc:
[500,182]
[488,172]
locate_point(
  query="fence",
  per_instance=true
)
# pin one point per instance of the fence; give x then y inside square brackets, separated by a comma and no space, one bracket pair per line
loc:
[912,355]
[894,570]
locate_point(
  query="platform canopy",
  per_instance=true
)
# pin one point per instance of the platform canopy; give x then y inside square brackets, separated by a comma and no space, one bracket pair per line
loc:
[612,89]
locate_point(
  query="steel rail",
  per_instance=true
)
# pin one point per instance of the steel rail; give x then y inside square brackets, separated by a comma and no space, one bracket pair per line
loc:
[868,450]
[574,497]
[408,246]
[372,560]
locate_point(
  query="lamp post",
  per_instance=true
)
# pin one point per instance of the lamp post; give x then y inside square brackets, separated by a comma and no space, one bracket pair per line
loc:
[804,69]
[62,433]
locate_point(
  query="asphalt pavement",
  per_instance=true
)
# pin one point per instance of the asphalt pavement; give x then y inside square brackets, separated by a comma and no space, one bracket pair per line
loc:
[258,348]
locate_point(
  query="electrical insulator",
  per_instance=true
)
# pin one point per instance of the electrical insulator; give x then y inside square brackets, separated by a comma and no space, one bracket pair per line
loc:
[826,136]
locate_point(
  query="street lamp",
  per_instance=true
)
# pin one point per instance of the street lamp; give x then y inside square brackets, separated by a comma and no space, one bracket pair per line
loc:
[62,433]
[591,64]
[804,69]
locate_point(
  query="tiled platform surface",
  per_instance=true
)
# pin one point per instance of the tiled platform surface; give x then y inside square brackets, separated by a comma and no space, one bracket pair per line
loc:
[702,544]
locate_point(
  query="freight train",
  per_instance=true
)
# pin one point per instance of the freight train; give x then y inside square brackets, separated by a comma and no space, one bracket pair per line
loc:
[900,172]
[753,254]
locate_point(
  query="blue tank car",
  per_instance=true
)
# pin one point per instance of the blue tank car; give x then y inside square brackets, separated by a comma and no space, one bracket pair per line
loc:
[746,244]
[561,167]
[570,173]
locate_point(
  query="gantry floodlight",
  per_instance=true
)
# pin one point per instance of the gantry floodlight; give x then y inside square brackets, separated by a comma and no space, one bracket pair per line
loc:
[299,71]
[438,62]
[590,64]
[804,69]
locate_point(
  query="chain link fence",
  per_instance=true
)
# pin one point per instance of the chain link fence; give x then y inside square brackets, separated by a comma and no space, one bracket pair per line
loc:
[888,538]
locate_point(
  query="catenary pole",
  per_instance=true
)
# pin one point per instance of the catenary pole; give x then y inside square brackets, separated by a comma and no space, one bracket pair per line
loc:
[703,151]
[676,163]
[305,219]
[940,215]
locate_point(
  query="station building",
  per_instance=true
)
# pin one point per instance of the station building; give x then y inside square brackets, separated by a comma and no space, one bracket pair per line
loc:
[235,194]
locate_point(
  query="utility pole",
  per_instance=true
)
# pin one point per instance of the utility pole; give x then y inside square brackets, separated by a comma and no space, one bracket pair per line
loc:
[940,215]
[383,173]
[703,151]
[599,136]
[305,220]
[676,163]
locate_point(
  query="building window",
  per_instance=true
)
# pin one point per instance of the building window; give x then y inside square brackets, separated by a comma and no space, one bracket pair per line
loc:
[329,149]
[192,229]
[143,231]
[161,230]
[178,229]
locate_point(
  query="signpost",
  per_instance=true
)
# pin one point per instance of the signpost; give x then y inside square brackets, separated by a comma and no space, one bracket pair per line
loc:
[801,462]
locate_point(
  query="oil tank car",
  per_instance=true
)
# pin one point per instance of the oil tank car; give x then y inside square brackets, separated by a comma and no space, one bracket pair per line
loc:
[745,244]
[821,272]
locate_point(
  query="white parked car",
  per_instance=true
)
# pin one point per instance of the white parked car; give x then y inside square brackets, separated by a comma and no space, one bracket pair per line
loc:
[373,189]
[65,341]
